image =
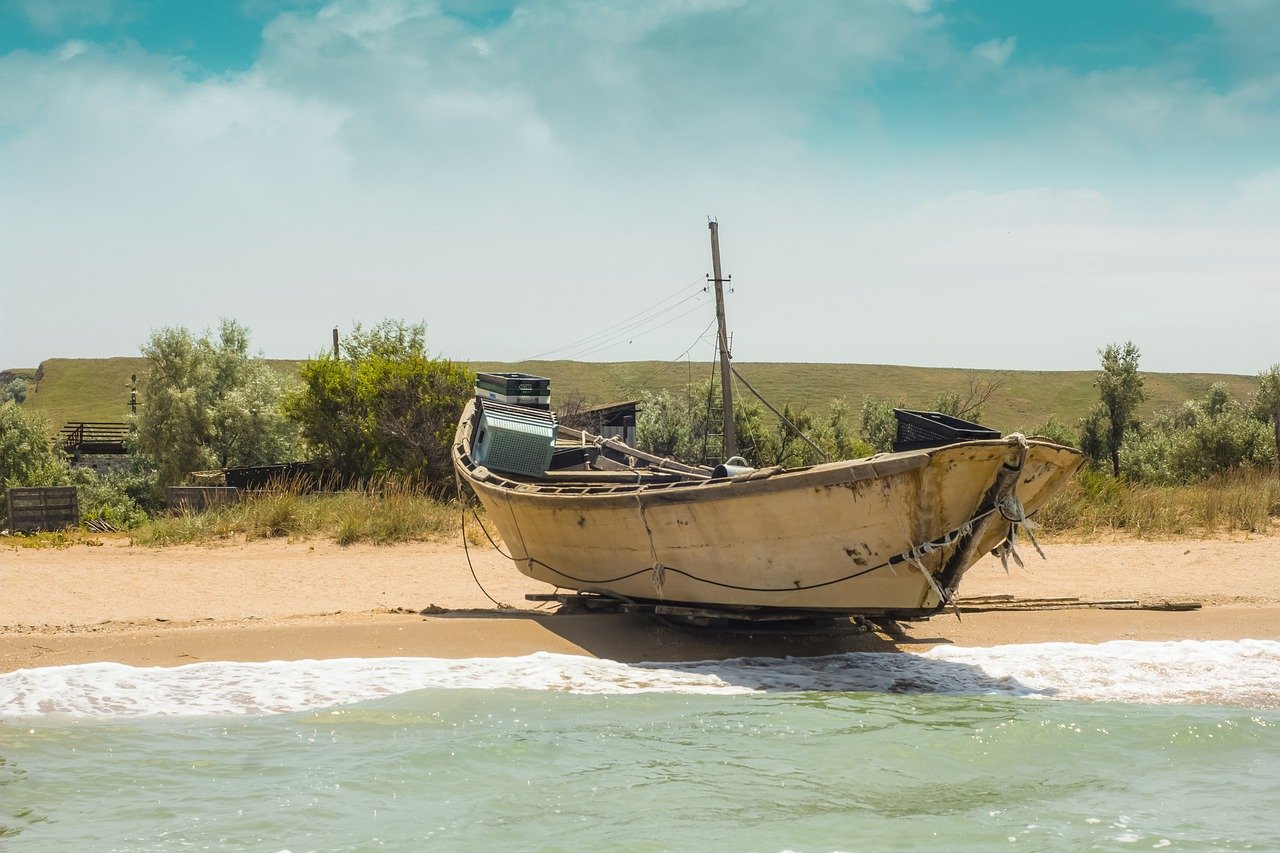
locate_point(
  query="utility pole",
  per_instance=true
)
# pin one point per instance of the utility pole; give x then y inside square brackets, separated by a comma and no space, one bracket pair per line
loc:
[726,380]
[335,343]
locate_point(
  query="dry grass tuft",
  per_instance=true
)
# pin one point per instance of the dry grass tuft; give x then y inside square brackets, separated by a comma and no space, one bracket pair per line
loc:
[1094,504]
[382,514]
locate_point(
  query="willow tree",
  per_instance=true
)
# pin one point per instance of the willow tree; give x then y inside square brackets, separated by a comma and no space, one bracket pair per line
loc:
[27,455]
[1266,401]
[206,402]
[1120,392]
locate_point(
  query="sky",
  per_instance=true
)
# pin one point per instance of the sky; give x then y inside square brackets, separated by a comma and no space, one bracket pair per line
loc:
[956,183]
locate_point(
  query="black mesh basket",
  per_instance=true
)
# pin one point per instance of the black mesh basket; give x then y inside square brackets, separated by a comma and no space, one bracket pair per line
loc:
[921,430]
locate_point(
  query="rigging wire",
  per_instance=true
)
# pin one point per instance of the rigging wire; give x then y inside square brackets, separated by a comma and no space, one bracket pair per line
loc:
[632,334]
[609,329]
[667,366]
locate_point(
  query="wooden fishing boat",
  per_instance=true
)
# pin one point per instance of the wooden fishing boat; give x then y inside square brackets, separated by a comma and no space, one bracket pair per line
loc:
[889,535]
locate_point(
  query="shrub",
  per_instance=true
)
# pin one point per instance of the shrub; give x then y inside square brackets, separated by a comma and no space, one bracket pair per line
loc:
[878,427]
[1197,441]
[114,498]
[1056,431]
[16,390]
[387,408]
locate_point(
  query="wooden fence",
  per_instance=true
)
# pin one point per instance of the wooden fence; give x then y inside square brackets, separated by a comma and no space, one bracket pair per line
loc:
[198,498]
[50,508]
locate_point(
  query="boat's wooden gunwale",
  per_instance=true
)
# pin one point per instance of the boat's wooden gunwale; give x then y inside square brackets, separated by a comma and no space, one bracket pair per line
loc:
[679,491]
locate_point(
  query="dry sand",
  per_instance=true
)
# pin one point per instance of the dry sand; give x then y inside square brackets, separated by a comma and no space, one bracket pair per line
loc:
[275,599]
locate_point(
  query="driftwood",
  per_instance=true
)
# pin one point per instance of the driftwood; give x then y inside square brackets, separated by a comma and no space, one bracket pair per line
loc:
[990,603]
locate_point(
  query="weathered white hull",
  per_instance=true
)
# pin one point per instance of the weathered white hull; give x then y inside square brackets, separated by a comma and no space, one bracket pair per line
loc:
[851,537]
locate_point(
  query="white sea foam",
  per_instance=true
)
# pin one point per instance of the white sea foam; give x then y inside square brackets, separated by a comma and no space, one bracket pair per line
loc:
[1245,673]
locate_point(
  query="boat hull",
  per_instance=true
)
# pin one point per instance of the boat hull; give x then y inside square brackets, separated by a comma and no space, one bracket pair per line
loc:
[889,535]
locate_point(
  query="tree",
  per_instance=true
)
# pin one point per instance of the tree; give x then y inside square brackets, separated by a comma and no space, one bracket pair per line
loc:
[27,455]
[207,403]
[1120,392]
[387,407]
[1266,401]
[1093,436]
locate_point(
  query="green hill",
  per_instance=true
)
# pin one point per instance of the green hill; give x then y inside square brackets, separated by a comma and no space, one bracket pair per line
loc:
[98,389]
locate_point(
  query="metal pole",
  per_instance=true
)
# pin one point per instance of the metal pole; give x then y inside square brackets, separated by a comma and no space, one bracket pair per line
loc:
[726,380]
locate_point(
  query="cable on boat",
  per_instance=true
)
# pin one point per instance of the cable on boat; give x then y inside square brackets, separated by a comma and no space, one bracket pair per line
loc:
[897,559]
[495,545]
[457,479]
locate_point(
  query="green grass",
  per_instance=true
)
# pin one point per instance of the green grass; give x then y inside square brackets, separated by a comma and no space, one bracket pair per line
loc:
[97,389]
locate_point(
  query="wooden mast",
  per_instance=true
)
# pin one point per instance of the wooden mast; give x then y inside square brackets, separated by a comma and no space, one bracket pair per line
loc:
[726,380]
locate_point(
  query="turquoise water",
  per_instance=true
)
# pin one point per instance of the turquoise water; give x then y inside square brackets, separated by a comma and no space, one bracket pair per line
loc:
[479,769]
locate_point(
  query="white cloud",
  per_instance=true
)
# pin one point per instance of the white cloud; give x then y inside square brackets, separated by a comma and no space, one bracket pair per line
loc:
[1258,197]
[997,51]
[1247,28]
[56,16]
[1013,208]
[387,159]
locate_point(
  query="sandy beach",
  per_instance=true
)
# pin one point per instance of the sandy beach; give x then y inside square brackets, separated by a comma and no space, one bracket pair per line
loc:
[276,599]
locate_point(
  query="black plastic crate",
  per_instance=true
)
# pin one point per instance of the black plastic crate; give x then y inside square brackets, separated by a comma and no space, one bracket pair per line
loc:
[514,384]
[563,458]
[921,430]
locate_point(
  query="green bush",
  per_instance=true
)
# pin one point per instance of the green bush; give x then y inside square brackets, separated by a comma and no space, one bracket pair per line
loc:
[114,498]
[386,408]
[878,427]
[16,390]
[1200,440]
[686,425]
[1056,431]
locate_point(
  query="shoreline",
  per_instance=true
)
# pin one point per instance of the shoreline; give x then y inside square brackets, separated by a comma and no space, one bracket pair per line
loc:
[280,600]
[620,637]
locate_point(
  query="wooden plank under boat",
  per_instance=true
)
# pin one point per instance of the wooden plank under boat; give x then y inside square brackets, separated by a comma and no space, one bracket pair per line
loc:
[889,535]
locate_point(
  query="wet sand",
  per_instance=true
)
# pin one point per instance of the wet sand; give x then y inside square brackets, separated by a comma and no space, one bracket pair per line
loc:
[271,600]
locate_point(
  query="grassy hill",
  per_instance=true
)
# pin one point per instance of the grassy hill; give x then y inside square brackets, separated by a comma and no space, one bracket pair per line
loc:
[98,389]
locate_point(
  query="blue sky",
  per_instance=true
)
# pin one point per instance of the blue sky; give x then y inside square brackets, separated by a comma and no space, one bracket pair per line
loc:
[984,184]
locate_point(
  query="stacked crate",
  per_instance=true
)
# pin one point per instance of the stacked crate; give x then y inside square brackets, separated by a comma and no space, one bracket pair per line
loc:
[515,439]
[515,389]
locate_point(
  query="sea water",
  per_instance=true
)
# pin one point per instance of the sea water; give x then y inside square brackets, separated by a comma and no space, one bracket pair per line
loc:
[1120,745]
